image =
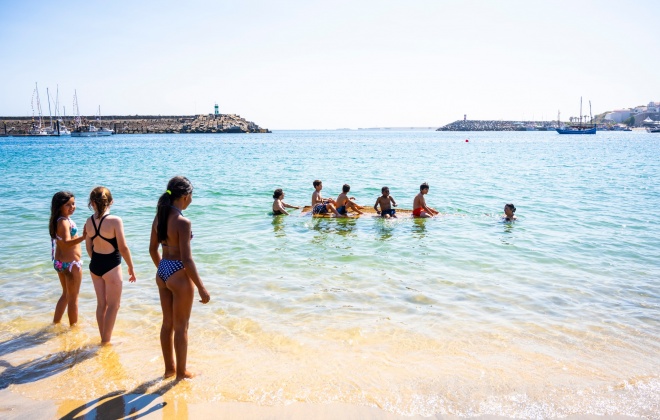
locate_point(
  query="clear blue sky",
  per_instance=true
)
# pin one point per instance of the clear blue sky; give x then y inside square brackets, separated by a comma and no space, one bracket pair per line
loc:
[332,64]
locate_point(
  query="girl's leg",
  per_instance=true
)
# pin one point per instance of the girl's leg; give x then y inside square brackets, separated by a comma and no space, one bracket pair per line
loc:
[99,288]
[113,287]
[183,292]
[73,281]
[61,303]
[167,329]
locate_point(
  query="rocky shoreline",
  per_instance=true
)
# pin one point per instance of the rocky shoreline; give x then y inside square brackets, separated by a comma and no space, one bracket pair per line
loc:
[136,124]
[498,125]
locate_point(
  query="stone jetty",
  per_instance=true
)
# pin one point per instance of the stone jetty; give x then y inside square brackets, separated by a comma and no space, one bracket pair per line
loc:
[498,125]
[136,124]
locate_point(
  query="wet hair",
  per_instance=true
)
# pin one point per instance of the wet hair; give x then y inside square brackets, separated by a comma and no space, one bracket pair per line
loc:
[316,183]
[176,188]
[424,186]
[382,190]
[59,199]
[278,193]
[102,197]
[346,188]
[510,206]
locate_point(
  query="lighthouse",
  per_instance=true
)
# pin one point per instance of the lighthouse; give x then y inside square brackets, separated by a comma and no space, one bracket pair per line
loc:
[216,110]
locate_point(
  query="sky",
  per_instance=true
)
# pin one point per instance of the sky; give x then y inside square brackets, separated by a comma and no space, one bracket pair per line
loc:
[312,64]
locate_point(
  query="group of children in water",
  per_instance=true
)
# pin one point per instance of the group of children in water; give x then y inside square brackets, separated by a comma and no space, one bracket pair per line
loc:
[176,273]
[384,204]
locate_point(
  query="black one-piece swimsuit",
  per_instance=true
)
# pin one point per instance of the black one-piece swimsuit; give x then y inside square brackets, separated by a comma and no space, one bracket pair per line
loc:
[102,263]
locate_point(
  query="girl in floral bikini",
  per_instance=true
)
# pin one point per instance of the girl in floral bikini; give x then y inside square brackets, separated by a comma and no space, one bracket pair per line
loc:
[66,254]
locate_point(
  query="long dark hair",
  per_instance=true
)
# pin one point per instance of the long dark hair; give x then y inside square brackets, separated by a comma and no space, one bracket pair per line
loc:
[177,187]
[59,199]
[102,197]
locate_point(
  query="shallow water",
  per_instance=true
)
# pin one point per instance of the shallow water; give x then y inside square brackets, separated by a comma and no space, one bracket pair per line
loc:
[555,314]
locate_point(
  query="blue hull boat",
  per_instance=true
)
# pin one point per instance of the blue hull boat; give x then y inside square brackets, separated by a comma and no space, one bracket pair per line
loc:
[575,130]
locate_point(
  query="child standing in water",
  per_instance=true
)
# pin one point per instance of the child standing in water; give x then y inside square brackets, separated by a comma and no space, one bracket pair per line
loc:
[279,204]
[420,209]
[105,248]
[177,274]
[66,254]
[386,202]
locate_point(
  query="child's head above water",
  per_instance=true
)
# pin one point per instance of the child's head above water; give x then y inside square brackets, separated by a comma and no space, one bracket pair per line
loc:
[385,190]
[424,186]
[510,207]
[316,183]
[346,188]
[278,193]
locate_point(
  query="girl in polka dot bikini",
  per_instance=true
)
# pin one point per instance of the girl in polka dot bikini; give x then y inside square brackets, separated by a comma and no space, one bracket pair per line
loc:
[177,275]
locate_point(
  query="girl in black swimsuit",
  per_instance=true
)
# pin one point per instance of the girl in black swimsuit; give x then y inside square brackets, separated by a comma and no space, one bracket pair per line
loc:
[106,246]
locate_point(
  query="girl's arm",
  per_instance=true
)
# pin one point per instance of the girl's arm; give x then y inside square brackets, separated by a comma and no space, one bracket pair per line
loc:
[123,249]
[63,231]
[88,244]
[289,205]
[153,245]
[184,228]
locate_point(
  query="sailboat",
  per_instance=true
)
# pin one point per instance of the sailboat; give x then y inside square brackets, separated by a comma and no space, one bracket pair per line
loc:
[578,127]
[87,130]
[37,130]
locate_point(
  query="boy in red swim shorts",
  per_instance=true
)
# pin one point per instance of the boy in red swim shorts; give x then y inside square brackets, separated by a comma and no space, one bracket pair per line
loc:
[420,209]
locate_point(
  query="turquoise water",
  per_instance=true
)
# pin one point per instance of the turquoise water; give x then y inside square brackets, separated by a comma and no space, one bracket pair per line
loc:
[555,314]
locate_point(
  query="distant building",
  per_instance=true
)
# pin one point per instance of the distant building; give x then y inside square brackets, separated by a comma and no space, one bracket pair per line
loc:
[653,107]
[619,115]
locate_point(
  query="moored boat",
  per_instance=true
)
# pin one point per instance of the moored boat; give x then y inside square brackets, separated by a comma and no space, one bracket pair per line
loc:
[578,127]
[91,131]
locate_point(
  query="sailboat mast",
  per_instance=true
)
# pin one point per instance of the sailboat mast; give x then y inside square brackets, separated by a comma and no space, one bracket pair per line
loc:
[38,104]
[591,117]
[49,113]
[580,110]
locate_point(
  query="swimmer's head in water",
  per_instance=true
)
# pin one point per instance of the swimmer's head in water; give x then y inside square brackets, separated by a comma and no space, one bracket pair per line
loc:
[316,183]
[510,207]
[278,193]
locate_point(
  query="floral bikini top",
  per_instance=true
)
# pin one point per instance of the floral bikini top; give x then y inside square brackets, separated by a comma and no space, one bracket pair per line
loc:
[72,231]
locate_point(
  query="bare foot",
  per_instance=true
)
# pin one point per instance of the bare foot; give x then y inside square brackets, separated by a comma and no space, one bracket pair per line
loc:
[186,375]
[169,374]
[106,344]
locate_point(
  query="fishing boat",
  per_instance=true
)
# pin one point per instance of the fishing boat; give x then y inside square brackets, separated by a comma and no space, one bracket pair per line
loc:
[578,126]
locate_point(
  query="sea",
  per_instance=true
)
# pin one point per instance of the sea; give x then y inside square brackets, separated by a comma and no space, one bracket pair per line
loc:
[555,314]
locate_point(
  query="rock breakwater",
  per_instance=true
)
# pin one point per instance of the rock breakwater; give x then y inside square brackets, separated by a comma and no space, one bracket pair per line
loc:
[136,124]
[497,125]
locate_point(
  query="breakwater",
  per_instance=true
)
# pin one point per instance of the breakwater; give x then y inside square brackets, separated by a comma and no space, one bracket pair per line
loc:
[141,124]
[498,125]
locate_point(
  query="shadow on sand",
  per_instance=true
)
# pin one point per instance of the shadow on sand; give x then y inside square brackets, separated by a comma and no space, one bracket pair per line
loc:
[122,404]
[43,367]
[27,340]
